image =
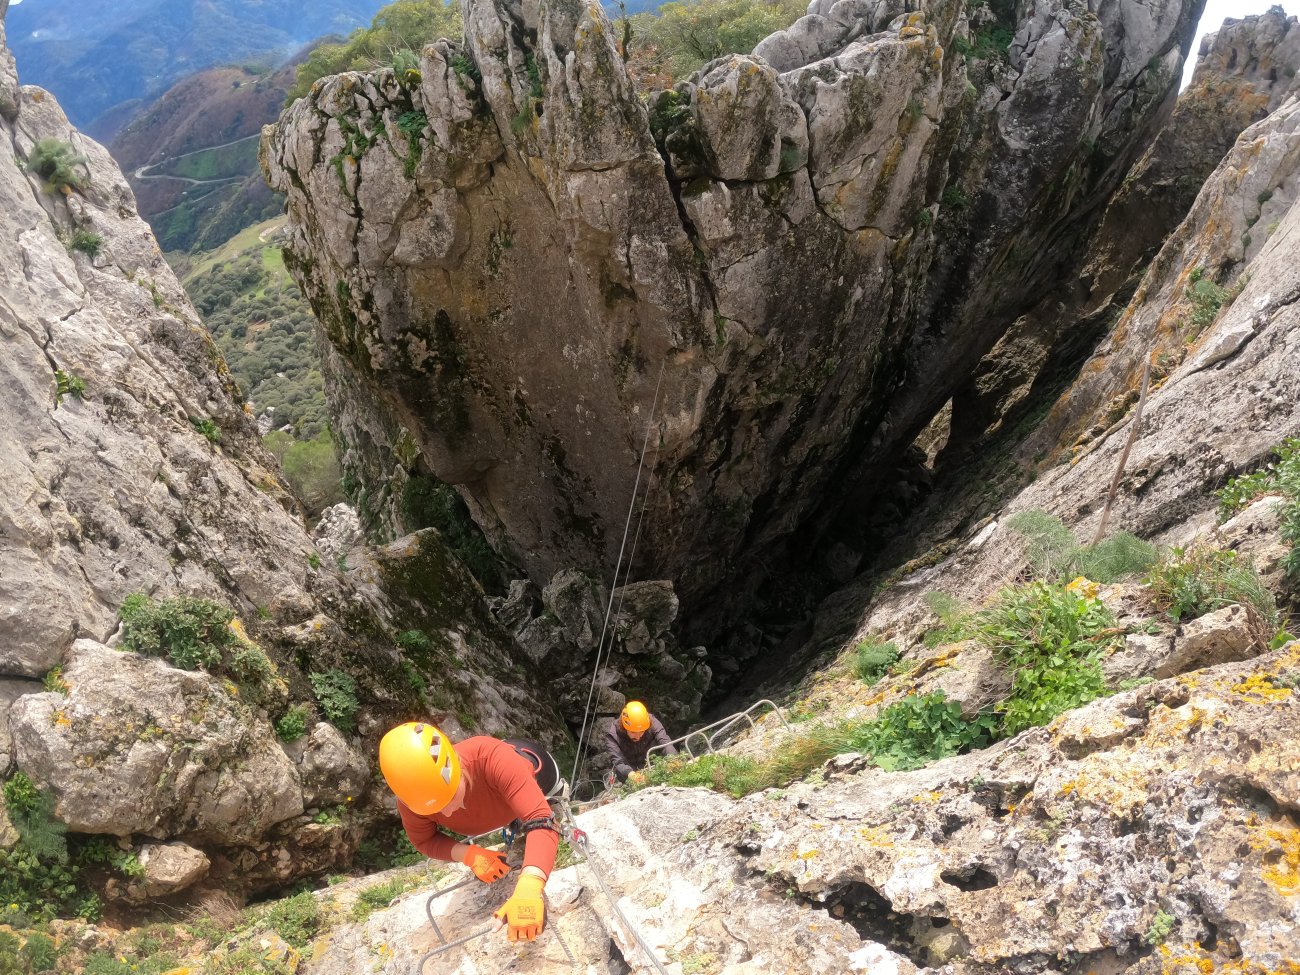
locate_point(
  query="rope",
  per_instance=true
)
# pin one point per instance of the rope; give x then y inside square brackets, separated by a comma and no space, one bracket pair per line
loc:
[583,741]
[618,911]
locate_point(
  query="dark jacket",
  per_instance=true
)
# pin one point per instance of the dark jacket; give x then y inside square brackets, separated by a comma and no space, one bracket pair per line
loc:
[627,755]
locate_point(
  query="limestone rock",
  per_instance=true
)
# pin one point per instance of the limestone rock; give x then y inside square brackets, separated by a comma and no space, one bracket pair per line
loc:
[338,531]
[170,867]
[330,771]
[752,267]
[10,691]
[185,757]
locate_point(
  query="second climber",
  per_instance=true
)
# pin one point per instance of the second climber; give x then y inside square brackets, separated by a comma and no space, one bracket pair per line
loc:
[630,738]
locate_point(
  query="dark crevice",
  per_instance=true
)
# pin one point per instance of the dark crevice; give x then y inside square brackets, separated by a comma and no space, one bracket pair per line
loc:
[969,878]
[617,964]
[872,916]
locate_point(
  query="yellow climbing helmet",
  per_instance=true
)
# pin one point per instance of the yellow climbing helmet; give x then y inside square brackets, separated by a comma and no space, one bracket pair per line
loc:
[635,718]
[420,766]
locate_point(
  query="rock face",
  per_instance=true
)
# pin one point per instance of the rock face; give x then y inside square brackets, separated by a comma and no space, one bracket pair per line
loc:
[1143,833]
[1245,71]
[133,467]
[771,277]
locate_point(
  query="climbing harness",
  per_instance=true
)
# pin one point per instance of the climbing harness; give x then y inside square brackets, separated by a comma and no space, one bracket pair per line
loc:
[583,740]
[577,838]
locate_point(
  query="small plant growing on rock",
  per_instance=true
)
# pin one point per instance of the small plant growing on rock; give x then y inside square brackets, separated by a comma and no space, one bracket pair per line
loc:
[872,660]
[206,427]
[336,693]
[1056,556]
[53,680]
[1161,925]
[1279,476]
[86,241]
[56,162]
[1199,580]
[67,384]
[292,725]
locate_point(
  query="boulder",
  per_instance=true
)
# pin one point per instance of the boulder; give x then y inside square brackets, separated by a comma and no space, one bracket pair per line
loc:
[168,868]
[186,757]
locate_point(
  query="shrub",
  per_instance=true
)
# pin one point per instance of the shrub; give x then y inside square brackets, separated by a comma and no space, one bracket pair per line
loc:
[1056,556]
[86,241]
[686,34]
[39,954]
[1199,580]
[56,163]
[189,632]
[292,725]
[296,919]
[1052,638]
[336,692]
[873,660]
[917,730]
[1281,475]
[395,36]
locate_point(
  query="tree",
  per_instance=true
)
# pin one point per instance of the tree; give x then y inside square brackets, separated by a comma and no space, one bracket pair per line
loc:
[403,26]
[690,33]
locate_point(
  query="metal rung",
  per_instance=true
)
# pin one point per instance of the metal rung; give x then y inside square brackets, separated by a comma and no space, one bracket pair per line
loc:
[712,732]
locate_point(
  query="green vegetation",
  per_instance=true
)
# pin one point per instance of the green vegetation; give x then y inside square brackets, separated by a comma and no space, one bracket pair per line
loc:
[1051,638]
[1161,926]
[67,384]
[385,849]
[53,680]
[311,467]
[952,619]
[872,660]
[293,724]
[1056,556]
[207,427]
[920,729]
[394,37]
[683,35]
[56,164]
[380,896]
[266,333]
[86,241]
[336,692]
[38,881]
[1280,476]
[196,634]
[1195,581]
[296,919]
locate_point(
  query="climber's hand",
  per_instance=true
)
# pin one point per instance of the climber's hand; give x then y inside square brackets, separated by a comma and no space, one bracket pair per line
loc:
[488,865]
[525,912]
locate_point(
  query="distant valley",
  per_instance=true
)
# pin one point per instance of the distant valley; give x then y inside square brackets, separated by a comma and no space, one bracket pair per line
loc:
[103,61]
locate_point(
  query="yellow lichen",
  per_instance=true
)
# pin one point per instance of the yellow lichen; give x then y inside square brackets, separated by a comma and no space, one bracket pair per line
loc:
[876,835]
[1284,873]
[1259,686]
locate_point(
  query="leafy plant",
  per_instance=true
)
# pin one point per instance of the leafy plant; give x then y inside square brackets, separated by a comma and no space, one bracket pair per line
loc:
[336,692]
[1280,475]
[1195,581]
[872,660]
[1052,638]
[37,881]
[53,680]
[376,898]
[189,632]
[207,427]
[86,241]
[921,729]
[67,384]
[56,163]
[1161,925]
[292,725]
[296,919]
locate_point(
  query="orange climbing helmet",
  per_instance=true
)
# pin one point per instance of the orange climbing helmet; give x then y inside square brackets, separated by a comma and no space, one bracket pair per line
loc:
[420,766]
[635,718]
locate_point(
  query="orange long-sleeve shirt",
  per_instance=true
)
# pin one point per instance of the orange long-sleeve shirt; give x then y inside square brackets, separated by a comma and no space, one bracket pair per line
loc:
[500,788]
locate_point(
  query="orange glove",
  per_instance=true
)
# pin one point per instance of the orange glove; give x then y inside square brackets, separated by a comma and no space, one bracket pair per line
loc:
[524,912]
[488,865]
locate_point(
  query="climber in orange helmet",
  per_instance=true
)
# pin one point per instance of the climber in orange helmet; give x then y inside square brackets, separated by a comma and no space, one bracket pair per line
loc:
[629,738]
[473,787]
